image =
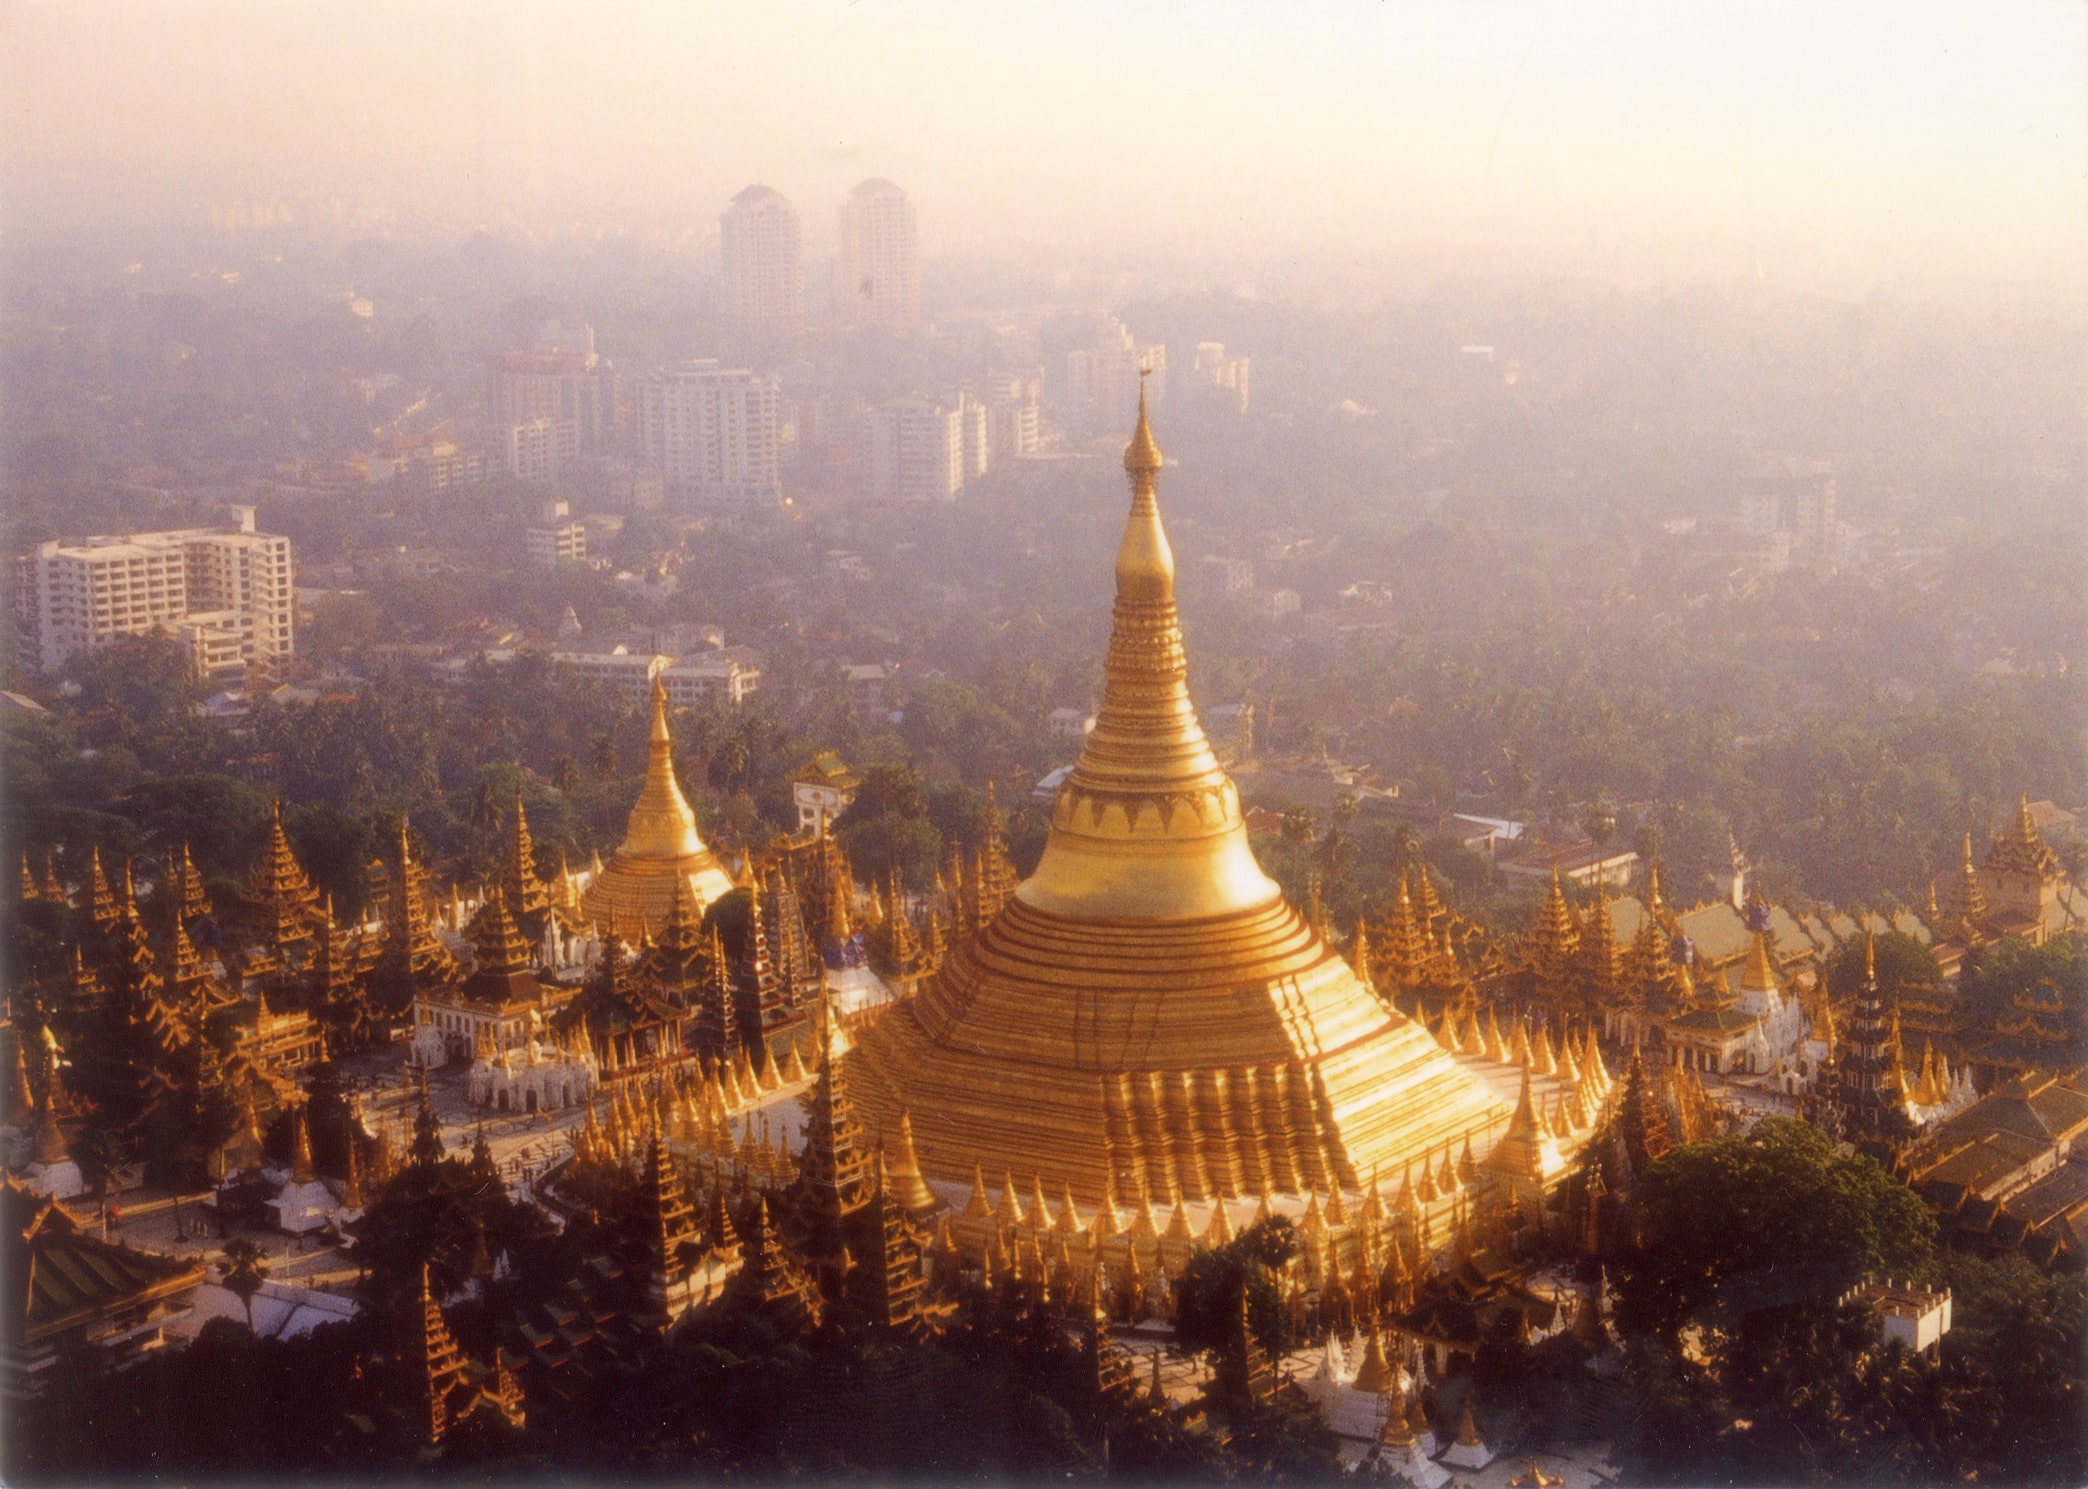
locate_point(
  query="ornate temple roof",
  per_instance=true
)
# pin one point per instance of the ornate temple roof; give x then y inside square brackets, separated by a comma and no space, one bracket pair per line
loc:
[60,1277]
[2023,850]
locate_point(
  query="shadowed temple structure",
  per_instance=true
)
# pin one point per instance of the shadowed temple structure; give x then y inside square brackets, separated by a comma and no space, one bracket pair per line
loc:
[1147,1014]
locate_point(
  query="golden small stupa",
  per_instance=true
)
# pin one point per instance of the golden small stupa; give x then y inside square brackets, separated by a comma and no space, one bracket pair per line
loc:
[1147,1014]
[636,888]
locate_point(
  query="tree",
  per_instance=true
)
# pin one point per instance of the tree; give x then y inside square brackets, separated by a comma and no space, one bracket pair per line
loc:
[1207,1297]
[565,774]
[243,1267]
[607,765]
[1902,962]
[1995,974]
[1796,1224]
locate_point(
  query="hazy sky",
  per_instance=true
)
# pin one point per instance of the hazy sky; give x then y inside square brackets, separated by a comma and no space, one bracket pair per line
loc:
[1951,134]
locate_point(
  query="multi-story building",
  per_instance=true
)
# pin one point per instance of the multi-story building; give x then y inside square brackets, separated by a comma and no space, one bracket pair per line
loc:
[916,451]
[975,432]
[559,378]
[555,543]
[226,591]
[763,248]
[1230,373]
[537,452]
[713,433]
[703,679]
[1102,377]
[878,273]
[1011,416]
[725,675]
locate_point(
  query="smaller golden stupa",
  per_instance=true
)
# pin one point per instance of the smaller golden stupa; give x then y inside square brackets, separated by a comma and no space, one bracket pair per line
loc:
[636,889]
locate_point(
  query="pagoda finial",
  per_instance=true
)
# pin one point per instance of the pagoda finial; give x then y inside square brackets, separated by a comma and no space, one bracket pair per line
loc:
[1142,456]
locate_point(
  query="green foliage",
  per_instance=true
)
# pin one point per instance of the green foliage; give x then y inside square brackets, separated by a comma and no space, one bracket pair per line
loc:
[446,1215]
[1902,962]
[1207,1295]
[1993,975]
[888,826]
[1815,1395]
[243,1267]
[1769,1219]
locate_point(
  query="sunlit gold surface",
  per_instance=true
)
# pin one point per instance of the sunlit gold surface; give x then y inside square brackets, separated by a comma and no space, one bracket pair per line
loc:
[1148,1014]
[1148,824]
[636,888]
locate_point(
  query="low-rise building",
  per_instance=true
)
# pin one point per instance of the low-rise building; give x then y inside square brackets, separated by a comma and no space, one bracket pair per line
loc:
[2010,1172]
[1585,864]
[1071,723]
[708,679]
[69,1290]
[552,544]
[823,789]
[1915,1316]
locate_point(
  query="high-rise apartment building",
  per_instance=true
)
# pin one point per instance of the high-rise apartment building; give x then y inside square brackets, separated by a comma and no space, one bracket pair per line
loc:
[1012,424]
[713,433]
[878,273]
[538,452]
[1230,373]
[763,247]
[557,377]
[916,451]
[225,591]
[1102,378]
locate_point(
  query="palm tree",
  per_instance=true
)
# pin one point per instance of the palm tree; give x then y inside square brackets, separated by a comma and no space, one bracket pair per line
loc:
[243,1267]
[565,775]
[606,763]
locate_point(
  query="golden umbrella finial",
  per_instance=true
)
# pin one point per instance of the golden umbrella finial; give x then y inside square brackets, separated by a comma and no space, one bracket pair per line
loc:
[1142,456]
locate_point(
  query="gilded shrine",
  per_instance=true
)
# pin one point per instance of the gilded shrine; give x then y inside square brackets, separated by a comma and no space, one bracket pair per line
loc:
[1147,1014]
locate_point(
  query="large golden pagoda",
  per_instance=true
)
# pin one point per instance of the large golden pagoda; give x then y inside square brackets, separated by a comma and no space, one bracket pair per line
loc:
[1147,1014]
[636,889]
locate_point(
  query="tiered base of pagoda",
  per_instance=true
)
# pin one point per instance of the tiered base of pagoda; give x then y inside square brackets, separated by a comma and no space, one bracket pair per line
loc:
[635,892]
[1210,1057]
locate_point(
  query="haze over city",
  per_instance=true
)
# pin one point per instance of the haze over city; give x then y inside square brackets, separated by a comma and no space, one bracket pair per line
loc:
[1160,742]
[1847,144]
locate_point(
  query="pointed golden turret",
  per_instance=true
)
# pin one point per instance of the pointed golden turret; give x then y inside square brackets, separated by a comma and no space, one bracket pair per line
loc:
[1375,1373]
[660,844]
[1085,1030]
[1148,824]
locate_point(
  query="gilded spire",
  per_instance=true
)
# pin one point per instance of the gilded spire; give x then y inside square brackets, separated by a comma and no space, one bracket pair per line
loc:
[1149,823]
[1760,975]
[908,1187]
[661,823]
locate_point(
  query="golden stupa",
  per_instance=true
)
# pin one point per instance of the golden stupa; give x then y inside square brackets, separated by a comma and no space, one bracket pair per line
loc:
[1148,1014]
[636,889]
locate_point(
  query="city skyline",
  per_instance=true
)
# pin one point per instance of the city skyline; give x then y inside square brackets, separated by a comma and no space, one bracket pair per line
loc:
[1903,143]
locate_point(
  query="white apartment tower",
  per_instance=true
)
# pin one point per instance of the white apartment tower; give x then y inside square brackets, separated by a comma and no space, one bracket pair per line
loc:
[227,592]
[917,451]
[878,274]
[1103,377]
[764,261]
[712,432]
